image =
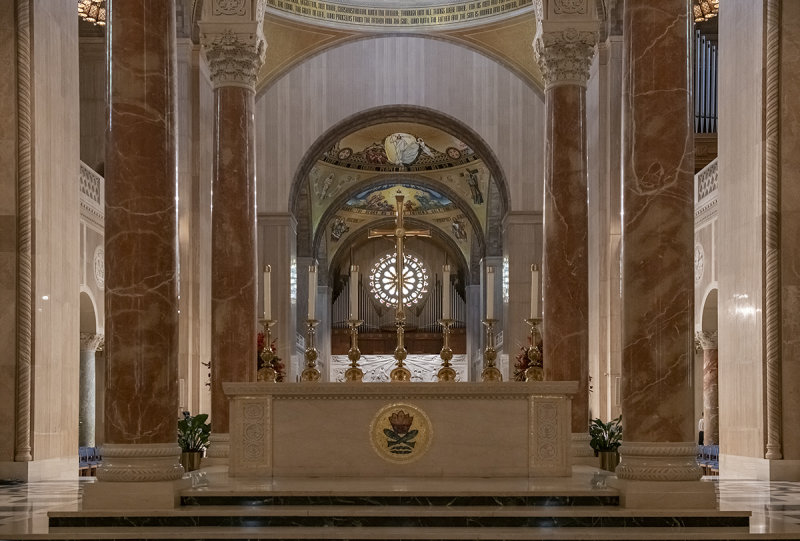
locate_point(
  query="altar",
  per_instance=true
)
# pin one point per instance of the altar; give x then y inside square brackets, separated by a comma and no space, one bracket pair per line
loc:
[450,430]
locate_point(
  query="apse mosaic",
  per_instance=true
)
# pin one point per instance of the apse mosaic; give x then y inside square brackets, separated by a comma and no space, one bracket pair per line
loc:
[399,147]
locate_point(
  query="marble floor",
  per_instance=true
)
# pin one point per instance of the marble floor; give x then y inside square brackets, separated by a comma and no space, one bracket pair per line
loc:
[775,508]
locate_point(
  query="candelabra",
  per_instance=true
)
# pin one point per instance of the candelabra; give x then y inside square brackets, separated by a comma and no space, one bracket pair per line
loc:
[267,373]
[535,371]
[400,372]
[310,373]
[354,373]
[446,373]
[490,371]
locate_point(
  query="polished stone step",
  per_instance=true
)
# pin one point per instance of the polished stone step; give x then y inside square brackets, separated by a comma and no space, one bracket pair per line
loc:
[422,500]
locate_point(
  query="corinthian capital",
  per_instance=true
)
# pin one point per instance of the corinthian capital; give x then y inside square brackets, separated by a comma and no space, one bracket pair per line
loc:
[564,51]
[232,35]
[707,339]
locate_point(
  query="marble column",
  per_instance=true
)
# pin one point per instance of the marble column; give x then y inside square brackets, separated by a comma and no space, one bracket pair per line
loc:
[564,51]
[235,48]
[87,410]
[709,343]
[657,245]
[141,246]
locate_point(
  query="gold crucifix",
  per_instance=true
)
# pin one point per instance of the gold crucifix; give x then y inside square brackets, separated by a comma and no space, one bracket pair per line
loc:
[400,373]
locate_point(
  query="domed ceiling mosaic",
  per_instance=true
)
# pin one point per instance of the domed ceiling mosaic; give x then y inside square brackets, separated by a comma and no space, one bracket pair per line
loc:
[409,158]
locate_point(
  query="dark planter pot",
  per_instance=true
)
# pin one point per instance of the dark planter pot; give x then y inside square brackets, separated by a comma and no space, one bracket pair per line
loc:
[190,460]
[609,460]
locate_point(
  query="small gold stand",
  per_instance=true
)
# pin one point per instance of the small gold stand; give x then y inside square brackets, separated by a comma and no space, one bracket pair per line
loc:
[446,373]
[267,373]
[534,373]
[400,372]
[354,373]
[490,371]
[311,373]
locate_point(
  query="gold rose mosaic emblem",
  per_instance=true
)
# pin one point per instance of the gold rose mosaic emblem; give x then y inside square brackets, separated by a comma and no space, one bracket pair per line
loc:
[401,433]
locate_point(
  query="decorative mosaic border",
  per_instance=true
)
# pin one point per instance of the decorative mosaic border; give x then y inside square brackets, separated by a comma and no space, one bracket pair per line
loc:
[425,16]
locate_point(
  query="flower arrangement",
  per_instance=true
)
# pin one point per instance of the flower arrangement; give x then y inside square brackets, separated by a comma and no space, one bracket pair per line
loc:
[193,432]
[276,362]
[528,356]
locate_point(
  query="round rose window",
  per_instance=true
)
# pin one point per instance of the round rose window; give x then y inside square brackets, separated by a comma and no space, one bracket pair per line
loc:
[383,280]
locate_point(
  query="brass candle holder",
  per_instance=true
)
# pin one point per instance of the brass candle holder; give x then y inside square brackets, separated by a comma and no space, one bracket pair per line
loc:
[310,373]
[267,373]
[354,373]
[400,372]
[446,373]
[490,371]
[534,372]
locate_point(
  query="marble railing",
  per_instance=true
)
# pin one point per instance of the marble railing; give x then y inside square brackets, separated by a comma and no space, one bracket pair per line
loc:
[706,191]
[92,195]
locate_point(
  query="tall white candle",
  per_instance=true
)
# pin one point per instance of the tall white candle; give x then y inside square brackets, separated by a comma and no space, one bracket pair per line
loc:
[267,293]
[312,291]
[353,291]
[446,292]
[489,292]
[534,291]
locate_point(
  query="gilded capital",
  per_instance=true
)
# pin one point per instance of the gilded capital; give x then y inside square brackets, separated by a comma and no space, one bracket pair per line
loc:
[707,339]
[232,36]
[564,51]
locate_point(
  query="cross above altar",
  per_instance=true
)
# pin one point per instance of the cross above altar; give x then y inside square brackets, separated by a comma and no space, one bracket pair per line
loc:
[399,233]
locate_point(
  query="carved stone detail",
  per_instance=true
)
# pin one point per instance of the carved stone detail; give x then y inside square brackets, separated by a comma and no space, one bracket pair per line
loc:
[91,341]
[708,339]
[219,445]
[569,7]
[565,55]
[660,461]
[548,435]
[230,7]
[580,445]
[140,462]
[234,58]
[99,265]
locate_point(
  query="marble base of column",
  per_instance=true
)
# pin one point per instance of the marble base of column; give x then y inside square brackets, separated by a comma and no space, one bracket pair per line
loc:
[581,451]
[658,461]
[219,447]
[140,462]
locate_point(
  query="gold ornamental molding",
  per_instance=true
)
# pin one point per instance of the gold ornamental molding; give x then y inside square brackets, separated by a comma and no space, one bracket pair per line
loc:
[435,15]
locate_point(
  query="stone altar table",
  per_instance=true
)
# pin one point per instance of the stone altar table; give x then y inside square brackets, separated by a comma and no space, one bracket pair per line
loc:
[508,429]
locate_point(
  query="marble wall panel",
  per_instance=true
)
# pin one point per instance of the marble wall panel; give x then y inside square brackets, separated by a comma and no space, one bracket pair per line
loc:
[325,89]
[8,227]
[790,224]
[740,240]
[57,232]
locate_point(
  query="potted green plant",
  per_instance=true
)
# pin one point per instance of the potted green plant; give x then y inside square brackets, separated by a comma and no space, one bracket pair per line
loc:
[606,439]
[193,433]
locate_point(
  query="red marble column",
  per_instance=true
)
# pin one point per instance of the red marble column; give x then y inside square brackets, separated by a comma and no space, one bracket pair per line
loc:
[708,341]
[141,245]
[658,237]
[235,49]
[564,48]
[565,335]
[233,252]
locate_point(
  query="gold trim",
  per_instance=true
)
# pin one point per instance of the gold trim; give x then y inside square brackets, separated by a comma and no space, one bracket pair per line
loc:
[435,15]
[421,441]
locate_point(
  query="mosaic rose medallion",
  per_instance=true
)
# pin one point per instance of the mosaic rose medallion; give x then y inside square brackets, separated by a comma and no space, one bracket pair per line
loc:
[401,433]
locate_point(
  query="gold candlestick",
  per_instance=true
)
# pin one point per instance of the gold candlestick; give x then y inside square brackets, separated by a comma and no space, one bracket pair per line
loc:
[267,373]
[490,371]
[534,372]
[446,373]
[311,373]
[400,372]
[354,373]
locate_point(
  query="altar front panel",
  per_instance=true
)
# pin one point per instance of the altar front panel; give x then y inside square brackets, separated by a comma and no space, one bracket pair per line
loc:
[334,429]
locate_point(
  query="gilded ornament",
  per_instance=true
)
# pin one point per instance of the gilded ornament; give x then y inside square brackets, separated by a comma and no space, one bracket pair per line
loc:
[400,433]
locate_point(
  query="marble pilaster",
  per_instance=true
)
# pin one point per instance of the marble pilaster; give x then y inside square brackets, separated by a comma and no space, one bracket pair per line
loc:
[564,48]
[87,406]
[658,238]
[234,46]
[708,341]
[141,248]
